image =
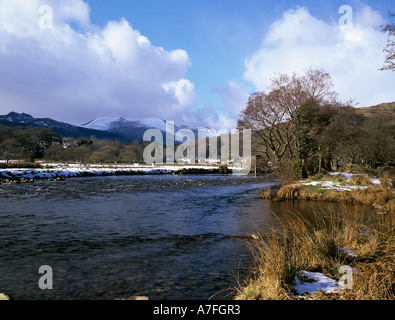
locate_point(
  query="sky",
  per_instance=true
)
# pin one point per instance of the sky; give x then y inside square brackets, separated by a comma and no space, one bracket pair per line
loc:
[194,62]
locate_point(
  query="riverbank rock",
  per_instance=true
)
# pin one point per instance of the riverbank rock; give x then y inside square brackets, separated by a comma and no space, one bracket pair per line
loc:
[16,180]
[139,298]
[4,297]
[135,298]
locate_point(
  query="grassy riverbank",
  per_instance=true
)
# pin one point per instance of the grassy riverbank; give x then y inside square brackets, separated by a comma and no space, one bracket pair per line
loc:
[325,242]
[343,188]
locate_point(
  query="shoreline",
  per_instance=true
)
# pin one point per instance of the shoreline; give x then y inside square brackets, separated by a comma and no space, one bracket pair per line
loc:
[62,172]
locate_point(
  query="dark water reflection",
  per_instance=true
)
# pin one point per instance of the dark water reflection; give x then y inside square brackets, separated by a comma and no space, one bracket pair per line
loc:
[166,237]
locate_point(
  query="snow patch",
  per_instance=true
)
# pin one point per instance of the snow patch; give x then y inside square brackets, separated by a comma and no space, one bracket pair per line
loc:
[334,185]
[349,253]
[376,182]
[344,174]
[76,170]
[103,123]
[341,186]
[314,282]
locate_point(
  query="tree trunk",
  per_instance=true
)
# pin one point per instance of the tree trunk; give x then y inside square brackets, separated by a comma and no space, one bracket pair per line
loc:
[319,163]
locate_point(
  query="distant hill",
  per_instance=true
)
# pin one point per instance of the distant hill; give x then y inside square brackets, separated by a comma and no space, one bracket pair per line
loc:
[385,112]
[127,131]
[14,119]
[110,128]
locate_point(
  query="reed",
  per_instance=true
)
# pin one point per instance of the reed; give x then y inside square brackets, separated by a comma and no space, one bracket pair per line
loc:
[266,193]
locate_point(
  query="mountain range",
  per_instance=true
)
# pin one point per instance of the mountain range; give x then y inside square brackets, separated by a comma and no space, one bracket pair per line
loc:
[112,128]
[126,131]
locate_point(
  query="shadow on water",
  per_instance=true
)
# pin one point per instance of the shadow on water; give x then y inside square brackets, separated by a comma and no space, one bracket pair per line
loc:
[165,237]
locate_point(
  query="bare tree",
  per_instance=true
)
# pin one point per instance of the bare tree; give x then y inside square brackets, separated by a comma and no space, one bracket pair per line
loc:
[273,116]
[11,149]
[292,122]
[390,48]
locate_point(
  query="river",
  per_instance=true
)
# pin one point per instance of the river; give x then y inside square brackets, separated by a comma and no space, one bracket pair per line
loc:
[168,237]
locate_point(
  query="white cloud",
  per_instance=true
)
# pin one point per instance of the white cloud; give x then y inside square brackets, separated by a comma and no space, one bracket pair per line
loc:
[298,41]
[222,122]
[233,96]
[76,74]
[224,113]
[367,17]
[74,10]
[233,99]
[182,90]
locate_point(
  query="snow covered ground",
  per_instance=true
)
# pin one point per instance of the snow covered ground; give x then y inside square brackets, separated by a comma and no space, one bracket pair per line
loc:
[340,186]
[314,282]
[333,185]
[311,282]
[53,171]
[349,175]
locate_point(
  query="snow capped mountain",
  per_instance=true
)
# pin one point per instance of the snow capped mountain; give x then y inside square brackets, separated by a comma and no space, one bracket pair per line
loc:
[114,123]
[154,123]
[113,128]
[138,127]
[14,119]
[104,123]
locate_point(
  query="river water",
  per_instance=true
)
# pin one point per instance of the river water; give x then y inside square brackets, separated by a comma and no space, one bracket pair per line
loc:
[165,237]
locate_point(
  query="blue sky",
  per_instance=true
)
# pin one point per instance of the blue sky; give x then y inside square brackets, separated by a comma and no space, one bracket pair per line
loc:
[192,61]
[217,34]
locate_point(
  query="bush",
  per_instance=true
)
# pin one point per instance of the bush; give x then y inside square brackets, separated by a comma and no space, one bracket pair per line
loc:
[290,171]
[223,168]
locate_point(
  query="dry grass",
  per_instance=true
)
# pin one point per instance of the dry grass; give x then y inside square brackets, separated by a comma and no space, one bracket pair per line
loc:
[360,180]
[313,244]
[273,272]
[380,196]
[291,191]
[19,165]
